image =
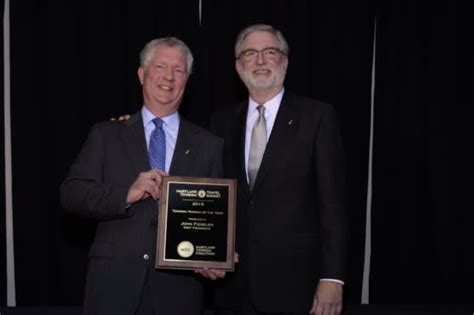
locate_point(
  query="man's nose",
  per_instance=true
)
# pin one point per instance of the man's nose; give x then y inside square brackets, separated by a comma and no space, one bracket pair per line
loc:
[169,74]
[260,58]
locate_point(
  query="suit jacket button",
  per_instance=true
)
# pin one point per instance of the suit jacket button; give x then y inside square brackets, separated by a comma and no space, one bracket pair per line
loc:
[146,257]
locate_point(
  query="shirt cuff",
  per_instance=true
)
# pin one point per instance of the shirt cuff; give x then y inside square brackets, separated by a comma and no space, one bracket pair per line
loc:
[332,280]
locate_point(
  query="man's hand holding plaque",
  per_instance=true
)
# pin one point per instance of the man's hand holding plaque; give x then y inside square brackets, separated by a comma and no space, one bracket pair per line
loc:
[146,185]
[214,274]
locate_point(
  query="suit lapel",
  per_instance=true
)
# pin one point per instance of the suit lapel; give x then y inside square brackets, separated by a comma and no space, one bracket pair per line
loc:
[186,148]
[238,137]
[282,133]
[135,143]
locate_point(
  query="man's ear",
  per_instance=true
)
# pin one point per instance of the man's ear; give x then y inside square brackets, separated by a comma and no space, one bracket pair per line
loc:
[238,66]
[141,74]
[285,63]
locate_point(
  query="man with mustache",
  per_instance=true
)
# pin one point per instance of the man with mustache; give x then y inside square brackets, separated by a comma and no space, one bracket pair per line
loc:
[286,152]
[116,180]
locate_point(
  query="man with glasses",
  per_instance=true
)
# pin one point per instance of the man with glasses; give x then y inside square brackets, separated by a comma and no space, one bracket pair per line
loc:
[286,152]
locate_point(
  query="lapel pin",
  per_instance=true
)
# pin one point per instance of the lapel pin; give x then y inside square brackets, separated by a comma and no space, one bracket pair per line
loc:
[290,122]
[187,151]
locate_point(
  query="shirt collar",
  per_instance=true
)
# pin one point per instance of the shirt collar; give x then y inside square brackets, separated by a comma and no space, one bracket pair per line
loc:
[271,106]
[168,121]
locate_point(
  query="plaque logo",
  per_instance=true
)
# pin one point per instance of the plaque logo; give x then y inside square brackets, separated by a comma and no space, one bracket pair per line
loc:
[185,249]
[201,193]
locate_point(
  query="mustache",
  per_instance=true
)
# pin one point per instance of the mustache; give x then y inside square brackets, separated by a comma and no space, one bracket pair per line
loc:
[262,69]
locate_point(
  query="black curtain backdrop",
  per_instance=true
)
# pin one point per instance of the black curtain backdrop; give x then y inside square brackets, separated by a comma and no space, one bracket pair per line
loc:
[422,242]
[74,63]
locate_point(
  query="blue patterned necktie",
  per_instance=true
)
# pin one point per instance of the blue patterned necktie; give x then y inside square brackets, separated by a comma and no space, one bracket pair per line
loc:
[157,147]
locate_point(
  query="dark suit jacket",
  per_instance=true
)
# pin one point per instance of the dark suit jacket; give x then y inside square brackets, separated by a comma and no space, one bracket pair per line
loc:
[122,256]
[291,230]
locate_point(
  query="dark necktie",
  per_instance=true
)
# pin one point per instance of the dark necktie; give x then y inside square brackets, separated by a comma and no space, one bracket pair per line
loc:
[257,145]
[157,146]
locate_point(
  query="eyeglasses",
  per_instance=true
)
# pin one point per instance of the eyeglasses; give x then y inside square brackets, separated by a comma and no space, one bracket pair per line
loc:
[269,53]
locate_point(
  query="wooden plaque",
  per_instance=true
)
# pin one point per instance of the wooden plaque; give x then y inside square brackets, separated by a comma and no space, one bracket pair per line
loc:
[196,223]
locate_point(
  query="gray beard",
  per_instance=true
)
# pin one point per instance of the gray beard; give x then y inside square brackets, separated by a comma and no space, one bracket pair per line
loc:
[275,80]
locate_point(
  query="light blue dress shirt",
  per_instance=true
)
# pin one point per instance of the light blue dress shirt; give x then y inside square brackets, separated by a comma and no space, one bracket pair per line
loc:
[170,127]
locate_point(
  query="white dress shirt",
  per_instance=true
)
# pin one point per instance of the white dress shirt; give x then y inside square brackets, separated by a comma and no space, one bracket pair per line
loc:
[271,110]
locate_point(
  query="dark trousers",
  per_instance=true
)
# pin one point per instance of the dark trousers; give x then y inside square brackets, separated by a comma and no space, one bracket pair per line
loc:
[249,309]
[156,300]
[252,312]
[146,303]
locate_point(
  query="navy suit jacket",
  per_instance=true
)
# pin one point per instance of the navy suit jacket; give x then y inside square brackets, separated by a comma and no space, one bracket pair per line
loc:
[291,229]
[122,256]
